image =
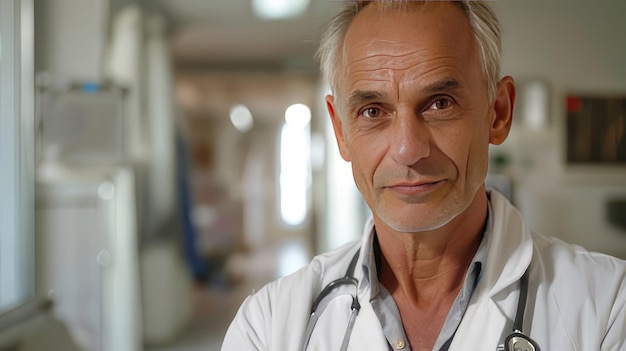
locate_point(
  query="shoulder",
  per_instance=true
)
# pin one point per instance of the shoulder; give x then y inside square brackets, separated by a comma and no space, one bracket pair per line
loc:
[285,304]
[563,256]
[581,286]
[588,272]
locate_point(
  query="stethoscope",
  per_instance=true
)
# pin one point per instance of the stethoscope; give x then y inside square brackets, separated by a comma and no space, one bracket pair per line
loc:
[515,341]
[323,299]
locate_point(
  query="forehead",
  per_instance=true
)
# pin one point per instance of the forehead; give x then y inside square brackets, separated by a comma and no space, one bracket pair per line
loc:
[383,40]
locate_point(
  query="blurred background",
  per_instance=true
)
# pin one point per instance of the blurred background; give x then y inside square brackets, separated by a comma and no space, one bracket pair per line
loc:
[162,159]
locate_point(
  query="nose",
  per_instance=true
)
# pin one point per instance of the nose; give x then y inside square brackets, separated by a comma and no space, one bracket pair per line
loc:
[410,138]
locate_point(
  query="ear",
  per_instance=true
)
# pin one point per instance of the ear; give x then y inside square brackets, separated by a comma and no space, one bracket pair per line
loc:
[337,127]
[502,111]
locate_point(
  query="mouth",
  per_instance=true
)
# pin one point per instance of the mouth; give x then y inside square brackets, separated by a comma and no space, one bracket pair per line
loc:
[414,188]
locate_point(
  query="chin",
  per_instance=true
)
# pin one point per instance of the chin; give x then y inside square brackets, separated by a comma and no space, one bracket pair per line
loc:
[419,221]
[416,227]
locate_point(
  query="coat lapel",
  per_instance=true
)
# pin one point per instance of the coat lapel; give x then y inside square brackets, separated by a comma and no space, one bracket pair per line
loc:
[490,314]
[485,324]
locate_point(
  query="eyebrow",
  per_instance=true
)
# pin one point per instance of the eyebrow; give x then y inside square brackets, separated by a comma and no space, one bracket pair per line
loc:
[446,84]
[358,97]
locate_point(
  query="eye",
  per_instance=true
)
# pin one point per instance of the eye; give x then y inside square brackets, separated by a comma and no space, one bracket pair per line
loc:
[441,104]
[371,112]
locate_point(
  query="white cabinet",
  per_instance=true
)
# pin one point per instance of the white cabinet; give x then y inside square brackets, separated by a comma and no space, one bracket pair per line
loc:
[86,232]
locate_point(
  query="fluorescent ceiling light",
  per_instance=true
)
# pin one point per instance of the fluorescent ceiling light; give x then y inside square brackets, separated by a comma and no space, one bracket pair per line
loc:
[279,9]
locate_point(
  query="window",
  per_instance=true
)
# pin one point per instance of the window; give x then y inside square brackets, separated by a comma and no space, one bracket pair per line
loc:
[295,170]
[17,258]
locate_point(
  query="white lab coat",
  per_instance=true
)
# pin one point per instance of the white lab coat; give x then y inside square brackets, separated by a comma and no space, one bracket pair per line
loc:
[576,298]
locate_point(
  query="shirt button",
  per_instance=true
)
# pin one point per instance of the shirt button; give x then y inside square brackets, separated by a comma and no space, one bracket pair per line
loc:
[399,344]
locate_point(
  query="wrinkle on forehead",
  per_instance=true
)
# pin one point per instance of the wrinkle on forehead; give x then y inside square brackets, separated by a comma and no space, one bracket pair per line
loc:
[384,42]
[387,59]
[381,63]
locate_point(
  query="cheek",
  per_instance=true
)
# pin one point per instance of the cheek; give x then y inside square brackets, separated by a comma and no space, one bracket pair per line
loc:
[478,156]
[367,154]
[465,147]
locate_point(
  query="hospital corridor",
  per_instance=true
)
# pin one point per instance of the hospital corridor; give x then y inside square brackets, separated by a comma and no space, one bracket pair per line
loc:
[161,160]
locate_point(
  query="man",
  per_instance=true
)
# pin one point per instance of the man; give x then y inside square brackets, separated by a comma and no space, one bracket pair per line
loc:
[444,264]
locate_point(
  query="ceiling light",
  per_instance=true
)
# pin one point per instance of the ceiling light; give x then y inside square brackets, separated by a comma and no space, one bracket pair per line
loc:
[279,9]
[241,118]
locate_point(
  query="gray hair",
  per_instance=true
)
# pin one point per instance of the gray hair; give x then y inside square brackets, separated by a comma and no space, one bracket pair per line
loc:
[481,17]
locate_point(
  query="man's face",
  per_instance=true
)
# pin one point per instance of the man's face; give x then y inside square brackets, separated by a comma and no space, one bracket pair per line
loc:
[412,114]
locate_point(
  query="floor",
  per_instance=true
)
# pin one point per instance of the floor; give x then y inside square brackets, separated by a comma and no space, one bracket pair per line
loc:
[213,311]
[214,307]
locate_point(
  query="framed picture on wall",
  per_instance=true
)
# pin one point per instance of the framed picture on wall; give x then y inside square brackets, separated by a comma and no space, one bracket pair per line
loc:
[596,130]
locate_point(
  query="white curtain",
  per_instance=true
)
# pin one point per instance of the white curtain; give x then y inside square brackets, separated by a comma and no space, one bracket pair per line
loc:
[124,67]
[159,109]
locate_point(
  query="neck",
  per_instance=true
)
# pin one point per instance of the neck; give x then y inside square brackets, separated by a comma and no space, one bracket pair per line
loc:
[423,266]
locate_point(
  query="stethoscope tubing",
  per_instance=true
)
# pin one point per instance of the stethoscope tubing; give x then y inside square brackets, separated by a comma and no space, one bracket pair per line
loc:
[517,335]
[347,279]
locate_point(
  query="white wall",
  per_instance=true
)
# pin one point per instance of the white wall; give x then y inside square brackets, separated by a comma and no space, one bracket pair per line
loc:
[573,46]
[577,44]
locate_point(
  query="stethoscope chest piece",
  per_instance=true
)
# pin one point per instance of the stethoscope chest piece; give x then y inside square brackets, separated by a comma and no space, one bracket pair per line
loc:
[517,341]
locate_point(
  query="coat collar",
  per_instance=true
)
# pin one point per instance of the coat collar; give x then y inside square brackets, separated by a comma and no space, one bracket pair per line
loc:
[510,246]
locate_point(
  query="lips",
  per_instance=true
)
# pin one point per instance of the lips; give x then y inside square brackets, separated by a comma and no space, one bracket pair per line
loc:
[414,188]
